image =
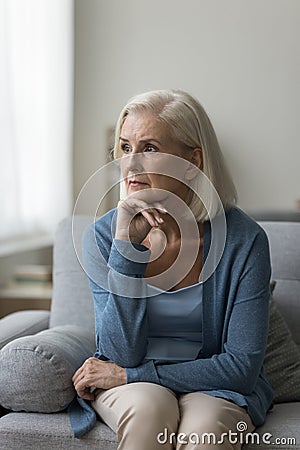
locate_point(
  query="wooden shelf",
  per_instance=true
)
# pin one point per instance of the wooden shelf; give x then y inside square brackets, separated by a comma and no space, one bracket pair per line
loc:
[24,296]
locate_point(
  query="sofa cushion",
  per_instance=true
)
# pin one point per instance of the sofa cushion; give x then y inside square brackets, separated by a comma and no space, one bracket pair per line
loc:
[282,360]
[281,430]
[28,431]
[22,323]
[72,300]
[36,371]
[33,431]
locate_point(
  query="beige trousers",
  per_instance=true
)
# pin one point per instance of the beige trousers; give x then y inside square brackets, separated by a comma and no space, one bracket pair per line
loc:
[148,416]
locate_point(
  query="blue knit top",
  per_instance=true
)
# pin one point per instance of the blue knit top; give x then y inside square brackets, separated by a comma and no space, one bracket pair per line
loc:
[235,310]
[175,324]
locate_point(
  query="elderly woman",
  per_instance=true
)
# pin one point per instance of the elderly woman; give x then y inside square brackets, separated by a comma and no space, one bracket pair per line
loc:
[180,280]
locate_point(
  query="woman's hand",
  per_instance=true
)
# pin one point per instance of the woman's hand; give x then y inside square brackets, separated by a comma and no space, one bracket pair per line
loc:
[136,217]
[99,374]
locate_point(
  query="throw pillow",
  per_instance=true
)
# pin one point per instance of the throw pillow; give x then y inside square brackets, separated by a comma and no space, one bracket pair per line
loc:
[36,371]
[22,323]
[282,359]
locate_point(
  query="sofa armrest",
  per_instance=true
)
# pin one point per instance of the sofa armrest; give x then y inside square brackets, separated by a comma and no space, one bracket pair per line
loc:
[36,371]
[22,323]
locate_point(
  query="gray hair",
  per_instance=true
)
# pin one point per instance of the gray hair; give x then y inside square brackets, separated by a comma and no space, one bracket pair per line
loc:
[189,124]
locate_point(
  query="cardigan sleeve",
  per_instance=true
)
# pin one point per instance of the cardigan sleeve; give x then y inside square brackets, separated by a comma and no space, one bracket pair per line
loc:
[238,366]
[118,288]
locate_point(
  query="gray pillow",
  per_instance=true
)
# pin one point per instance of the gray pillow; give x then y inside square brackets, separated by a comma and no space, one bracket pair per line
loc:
[282,359]
[36,371]
[22,323]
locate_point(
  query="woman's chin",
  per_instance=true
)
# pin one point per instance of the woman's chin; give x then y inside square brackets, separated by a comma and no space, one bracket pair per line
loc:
[148,193]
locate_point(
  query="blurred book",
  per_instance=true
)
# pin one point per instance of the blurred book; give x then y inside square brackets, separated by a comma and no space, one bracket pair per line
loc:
[26,290]
[31,273]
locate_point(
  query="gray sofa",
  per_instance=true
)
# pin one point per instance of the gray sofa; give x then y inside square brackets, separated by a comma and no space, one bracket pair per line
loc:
[36,368]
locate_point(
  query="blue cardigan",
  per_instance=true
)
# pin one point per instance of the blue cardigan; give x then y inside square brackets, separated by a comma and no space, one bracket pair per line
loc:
[235,314]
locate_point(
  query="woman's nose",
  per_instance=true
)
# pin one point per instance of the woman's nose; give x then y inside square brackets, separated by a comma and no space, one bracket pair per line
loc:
[133,163]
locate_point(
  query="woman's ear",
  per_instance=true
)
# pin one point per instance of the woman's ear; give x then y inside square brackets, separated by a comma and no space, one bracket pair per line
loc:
[197,157]
[196,163]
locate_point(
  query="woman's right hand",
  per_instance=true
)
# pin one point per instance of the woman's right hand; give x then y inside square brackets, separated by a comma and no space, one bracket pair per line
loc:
[136,217]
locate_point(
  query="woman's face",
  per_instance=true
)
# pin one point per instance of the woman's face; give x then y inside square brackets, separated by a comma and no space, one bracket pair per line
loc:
[147,149]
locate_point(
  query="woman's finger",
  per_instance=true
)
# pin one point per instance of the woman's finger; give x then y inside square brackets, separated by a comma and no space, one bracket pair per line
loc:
[160,208]
[152,216]
[82,387]
[78,374]
[88,369]
[84,392]
[134,206]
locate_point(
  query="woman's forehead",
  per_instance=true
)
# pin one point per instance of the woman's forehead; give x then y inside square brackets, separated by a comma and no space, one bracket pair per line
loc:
[144,126]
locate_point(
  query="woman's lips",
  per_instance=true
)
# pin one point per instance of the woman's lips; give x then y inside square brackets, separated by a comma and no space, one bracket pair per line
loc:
[135,183]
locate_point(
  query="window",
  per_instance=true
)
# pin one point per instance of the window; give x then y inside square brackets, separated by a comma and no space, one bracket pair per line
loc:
[36,103]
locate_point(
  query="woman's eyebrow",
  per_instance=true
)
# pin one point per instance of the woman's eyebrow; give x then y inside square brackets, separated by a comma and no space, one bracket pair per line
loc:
[143,141]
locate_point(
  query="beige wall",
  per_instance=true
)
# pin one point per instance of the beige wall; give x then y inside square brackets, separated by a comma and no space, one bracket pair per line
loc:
[239,57]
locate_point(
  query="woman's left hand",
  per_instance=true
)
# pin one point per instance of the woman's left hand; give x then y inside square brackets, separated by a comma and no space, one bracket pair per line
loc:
[99,374]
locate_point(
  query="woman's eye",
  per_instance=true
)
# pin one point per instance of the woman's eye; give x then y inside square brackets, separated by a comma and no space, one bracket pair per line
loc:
[150,148]
[126,148]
